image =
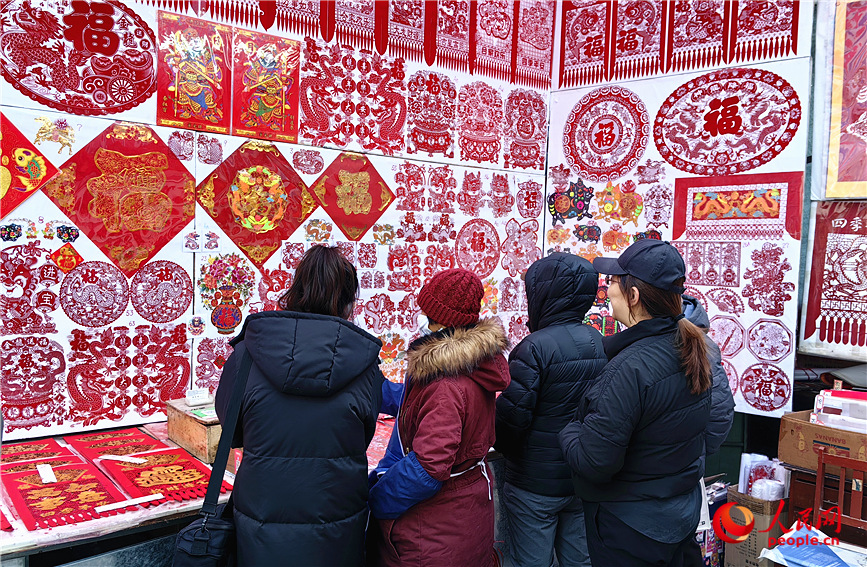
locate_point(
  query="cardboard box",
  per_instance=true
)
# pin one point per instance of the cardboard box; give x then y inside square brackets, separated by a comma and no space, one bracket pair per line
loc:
[745,553]
[198,435]
[800,441]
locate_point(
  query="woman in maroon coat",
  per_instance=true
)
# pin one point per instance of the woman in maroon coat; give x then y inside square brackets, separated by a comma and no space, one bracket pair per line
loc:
[433,494]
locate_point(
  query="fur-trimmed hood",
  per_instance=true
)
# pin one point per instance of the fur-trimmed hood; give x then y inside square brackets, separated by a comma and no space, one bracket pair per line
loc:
[460,351]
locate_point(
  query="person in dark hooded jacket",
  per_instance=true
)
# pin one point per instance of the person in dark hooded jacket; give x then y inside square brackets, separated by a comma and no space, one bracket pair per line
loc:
[551,370]
[722,408]
[432,492]
[637,443]
[308,414]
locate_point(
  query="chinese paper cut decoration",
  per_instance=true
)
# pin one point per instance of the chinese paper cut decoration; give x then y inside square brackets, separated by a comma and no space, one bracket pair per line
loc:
[620,202]
[265,86]
[48,444]
[23,169]
[493,38]
[85,439]
[257,199]
[353,194]
[97,59]
[161,291]
[570,201]
[526,128]
[767,292]
[120,370]
[727,121]
[431,114]
[770,340]
[119,447]
[747,207]
[225,285]
[130,200]
[766,387]
[605,41]
[94,294]
[530,199]
[835,320]
[194,74]
[298,16]
[519,249]
[726,300]
[711,263]
[174,473]
[480,115]
[66,258]
[51,452]
[847,159]
[212,356]
[606,134]
[354,23]
[728,334]
[72,499]
[453,35]
[59,131]
[29,281]
[350,96]
[535,44]
[477,247]
[406,31]
[30,465]
[32,387]
[308,162]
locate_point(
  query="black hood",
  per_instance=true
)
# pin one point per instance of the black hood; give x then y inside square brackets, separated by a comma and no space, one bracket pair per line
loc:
[305,354]
[560,289]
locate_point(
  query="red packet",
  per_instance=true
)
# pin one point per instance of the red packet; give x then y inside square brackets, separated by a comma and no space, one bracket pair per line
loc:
[72,499]
[174,473]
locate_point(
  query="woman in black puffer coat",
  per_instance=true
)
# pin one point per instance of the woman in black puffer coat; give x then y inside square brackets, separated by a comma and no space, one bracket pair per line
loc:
[309,412]
[637,444]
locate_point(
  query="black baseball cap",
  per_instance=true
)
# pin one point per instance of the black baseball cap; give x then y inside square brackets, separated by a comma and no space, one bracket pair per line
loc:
[653,261]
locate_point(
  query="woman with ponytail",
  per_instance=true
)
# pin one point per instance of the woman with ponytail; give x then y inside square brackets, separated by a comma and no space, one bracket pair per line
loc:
[637,443]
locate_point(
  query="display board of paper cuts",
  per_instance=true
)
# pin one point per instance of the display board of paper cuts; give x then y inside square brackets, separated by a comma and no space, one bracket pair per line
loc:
[834,320]
[713,162]
[847,152]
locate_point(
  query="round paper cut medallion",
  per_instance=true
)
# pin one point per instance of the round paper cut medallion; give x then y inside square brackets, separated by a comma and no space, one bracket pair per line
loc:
[477,247]
[728,334]
[727,121]
[94,294]
[161,291]
[770,340]
[606,134]
[732,375]
[765,387]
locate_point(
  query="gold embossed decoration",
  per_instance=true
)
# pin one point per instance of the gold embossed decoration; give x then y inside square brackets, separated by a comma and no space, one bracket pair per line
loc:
[79,489]
[257,199]
[174,473]
[127,192]
[353,194]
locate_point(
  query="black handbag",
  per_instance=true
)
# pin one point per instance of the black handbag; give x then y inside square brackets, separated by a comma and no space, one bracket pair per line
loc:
[210,540]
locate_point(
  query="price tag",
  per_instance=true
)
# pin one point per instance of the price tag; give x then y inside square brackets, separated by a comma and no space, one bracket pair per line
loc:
[46,473]
[125,459]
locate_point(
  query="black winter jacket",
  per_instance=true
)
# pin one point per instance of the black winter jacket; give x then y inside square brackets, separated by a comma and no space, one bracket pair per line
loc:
[551,369]
[640,434]
[308,415]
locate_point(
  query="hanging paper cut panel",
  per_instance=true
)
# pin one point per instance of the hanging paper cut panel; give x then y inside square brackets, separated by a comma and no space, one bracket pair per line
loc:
[194,74]
[96,59]
[847,158]
[257,199]
[494,28]
[23,169]
[453,34]
[353,194]
[127,192]
[174,473]
[265,86]
[72,499]
[535,44]
[406,34]
[354,23]
[835,318]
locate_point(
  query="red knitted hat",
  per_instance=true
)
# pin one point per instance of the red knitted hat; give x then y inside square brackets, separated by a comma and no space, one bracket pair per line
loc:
[452,298]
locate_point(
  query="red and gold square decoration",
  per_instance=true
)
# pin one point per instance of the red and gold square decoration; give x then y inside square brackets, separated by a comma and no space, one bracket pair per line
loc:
[127,191]
[78,491]
[174,473]
[257,199]
[353,194]
[265,86]
[128,435]
[119,447]
[23,169]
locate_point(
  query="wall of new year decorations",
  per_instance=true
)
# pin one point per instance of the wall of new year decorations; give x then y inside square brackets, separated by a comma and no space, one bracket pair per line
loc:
[615,177]
[834,321]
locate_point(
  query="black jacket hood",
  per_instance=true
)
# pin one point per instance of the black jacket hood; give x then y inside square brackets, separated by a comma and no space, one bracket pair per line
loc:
[306,354]
[561,288]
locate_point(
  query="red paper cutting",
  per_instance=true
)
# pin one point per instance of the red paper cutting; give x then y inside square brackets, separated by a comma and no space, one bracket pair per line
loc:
[587,28]
[257,199]
[212,356]
[30,282]
[32,388]
[308,162]
[480,114]
[86,439]
[535,49]
[48,444]
[769,339]
[72,499]
[453,34]
[30,465]
[767,291]
[766,387]
[526,130]
[174,473]
[695,33]
[406,29]
[300,17]
[755,206]
[637,44]
[494,29]
[96,59]
[194,75]
[477,247]
[94,294]
[130,200]
[765,29]
[837,300]
[431,121]
[265,86]
[727,121]
[728,334]
[161,291]
[118,447]
[353,194]
[23,169]
[519,248]
[355,23]
[711,263]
